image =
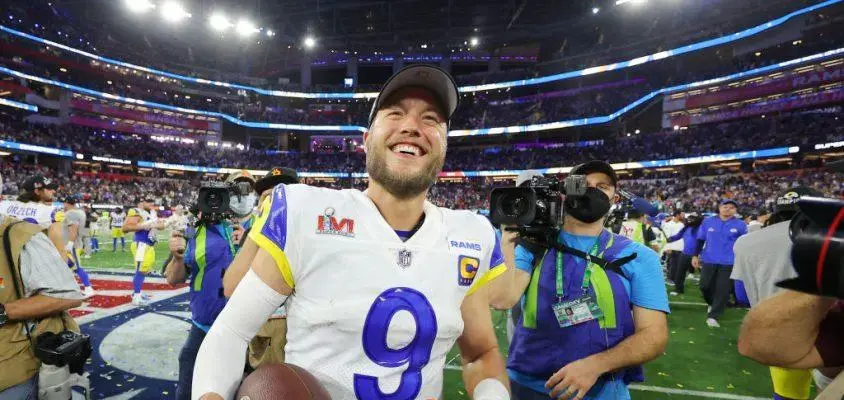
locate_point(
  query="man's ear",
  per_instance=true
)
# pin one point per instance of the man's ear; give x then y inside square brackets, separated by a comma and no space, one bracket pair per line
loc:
[365,138]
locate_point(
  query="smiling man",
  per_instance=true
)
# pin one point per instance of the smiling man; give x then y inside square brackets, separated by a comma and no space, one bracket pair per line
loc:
[349,262]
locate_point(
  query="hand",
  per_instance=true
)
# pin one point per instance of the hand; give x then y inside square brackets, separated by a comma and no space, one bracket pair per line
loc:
[237,233]
[696,262]
[159,224]
[508,237]
[574,380]
[177,244]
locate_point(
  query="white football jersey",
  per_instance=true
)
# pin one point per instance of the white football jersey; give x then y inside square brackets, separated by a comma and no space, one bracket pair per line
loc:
[32,212]
[117,219]
[371,315]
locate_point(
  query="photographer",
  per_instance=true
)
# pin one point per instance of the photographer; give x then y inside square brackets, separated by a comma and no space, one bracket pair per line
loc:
[203,254]
[795,330]
[584,330]
[762,259]
[243,207]
[38,291]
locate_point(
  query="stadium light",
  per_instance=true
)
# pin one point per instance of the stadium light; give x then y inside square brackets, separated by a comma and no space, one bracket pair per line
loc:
[270,33]
[474,41]
[620,2]
[172,11]
[595,10]
[219,22]
[309,42]
[139,6]
[245,28]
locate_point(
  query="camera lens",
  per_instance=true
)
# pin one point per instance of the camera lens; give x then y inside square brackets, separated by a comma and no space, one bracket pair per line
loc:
[214,200]
[514,206]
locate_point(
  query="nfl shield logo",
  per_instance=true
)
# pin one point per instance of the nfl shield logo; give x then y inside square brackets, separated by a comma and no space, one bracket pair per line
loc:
[405,258]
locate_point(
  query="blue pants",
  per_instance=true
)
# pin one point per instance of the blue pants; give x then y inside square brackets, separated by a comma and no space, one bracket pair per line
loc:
[519,392]
[187,357]
[23,391]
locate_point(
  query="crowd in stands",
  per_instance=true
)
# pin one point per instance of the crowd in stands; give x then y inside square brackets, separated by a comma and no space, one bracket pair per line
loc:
[796,129]
[100,188]
[755,192]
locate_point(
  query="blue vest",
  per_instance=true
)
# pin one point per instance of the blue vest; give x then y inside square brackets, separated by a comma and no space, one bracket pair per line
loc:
[541,347]
[208,255]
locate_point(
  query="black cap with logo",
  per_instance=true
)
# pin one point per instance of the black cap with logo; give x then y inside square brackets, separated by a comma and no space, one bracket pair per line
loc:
[38,182]
[277,175]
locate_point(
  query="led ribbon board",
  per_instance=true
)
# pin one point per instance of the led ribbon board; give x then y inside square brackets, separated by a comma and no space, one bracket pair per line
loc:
[454,133]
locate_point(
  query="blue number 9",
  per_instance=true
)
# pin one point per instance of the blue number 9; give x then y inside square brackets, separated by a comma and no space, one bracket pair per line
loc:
[415,355]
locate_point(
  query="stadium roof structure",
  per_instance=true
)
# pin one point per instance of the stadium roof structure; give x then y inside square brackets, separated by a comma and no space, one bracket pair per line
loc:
[433,26]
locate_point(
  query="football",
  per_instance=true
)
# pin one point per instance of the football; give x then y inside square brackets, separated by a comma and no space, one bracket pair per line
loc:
[281,382]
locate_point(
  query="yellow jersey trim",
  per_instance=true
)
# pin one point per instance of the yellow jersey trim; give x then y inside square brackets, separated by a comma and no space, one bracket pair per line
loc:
[493,273]
[277,255]
[268,245]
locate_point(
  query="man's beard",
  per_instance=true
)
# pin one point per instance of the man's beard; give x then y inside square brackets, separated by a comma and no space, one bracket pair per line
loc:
[400,185]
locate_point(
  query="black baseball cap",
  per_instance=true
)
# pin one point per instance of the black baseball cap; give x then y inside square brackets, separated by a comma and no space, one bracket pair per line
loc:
[277,175]
[439,82]
[787,201]
[595,166]
[729,201]
[38,182]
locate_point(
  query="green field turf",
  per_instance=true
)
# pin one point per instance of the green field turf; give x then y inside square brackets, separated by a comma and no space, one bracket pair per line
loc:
[698,358]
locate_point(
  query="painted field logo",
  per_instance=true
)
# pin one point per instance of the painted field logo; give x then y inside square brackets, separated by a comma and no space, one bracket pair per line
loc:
[327,224]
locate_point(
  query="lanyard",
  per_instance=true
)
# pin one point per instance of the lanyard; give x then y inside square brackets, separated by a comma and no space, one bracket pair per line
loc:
[227,233]
[586,274]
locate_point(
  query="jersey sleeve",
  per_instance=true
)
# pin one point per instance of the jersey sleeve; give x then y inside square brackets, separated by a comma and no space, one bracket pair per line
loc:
[271,228]
[492,264]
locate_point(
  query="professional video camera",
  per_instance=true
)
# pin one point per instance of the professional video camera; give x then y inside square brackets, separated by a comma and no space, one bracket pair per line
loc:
[817,232]
[536,210]
[215,198]
[538,204]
